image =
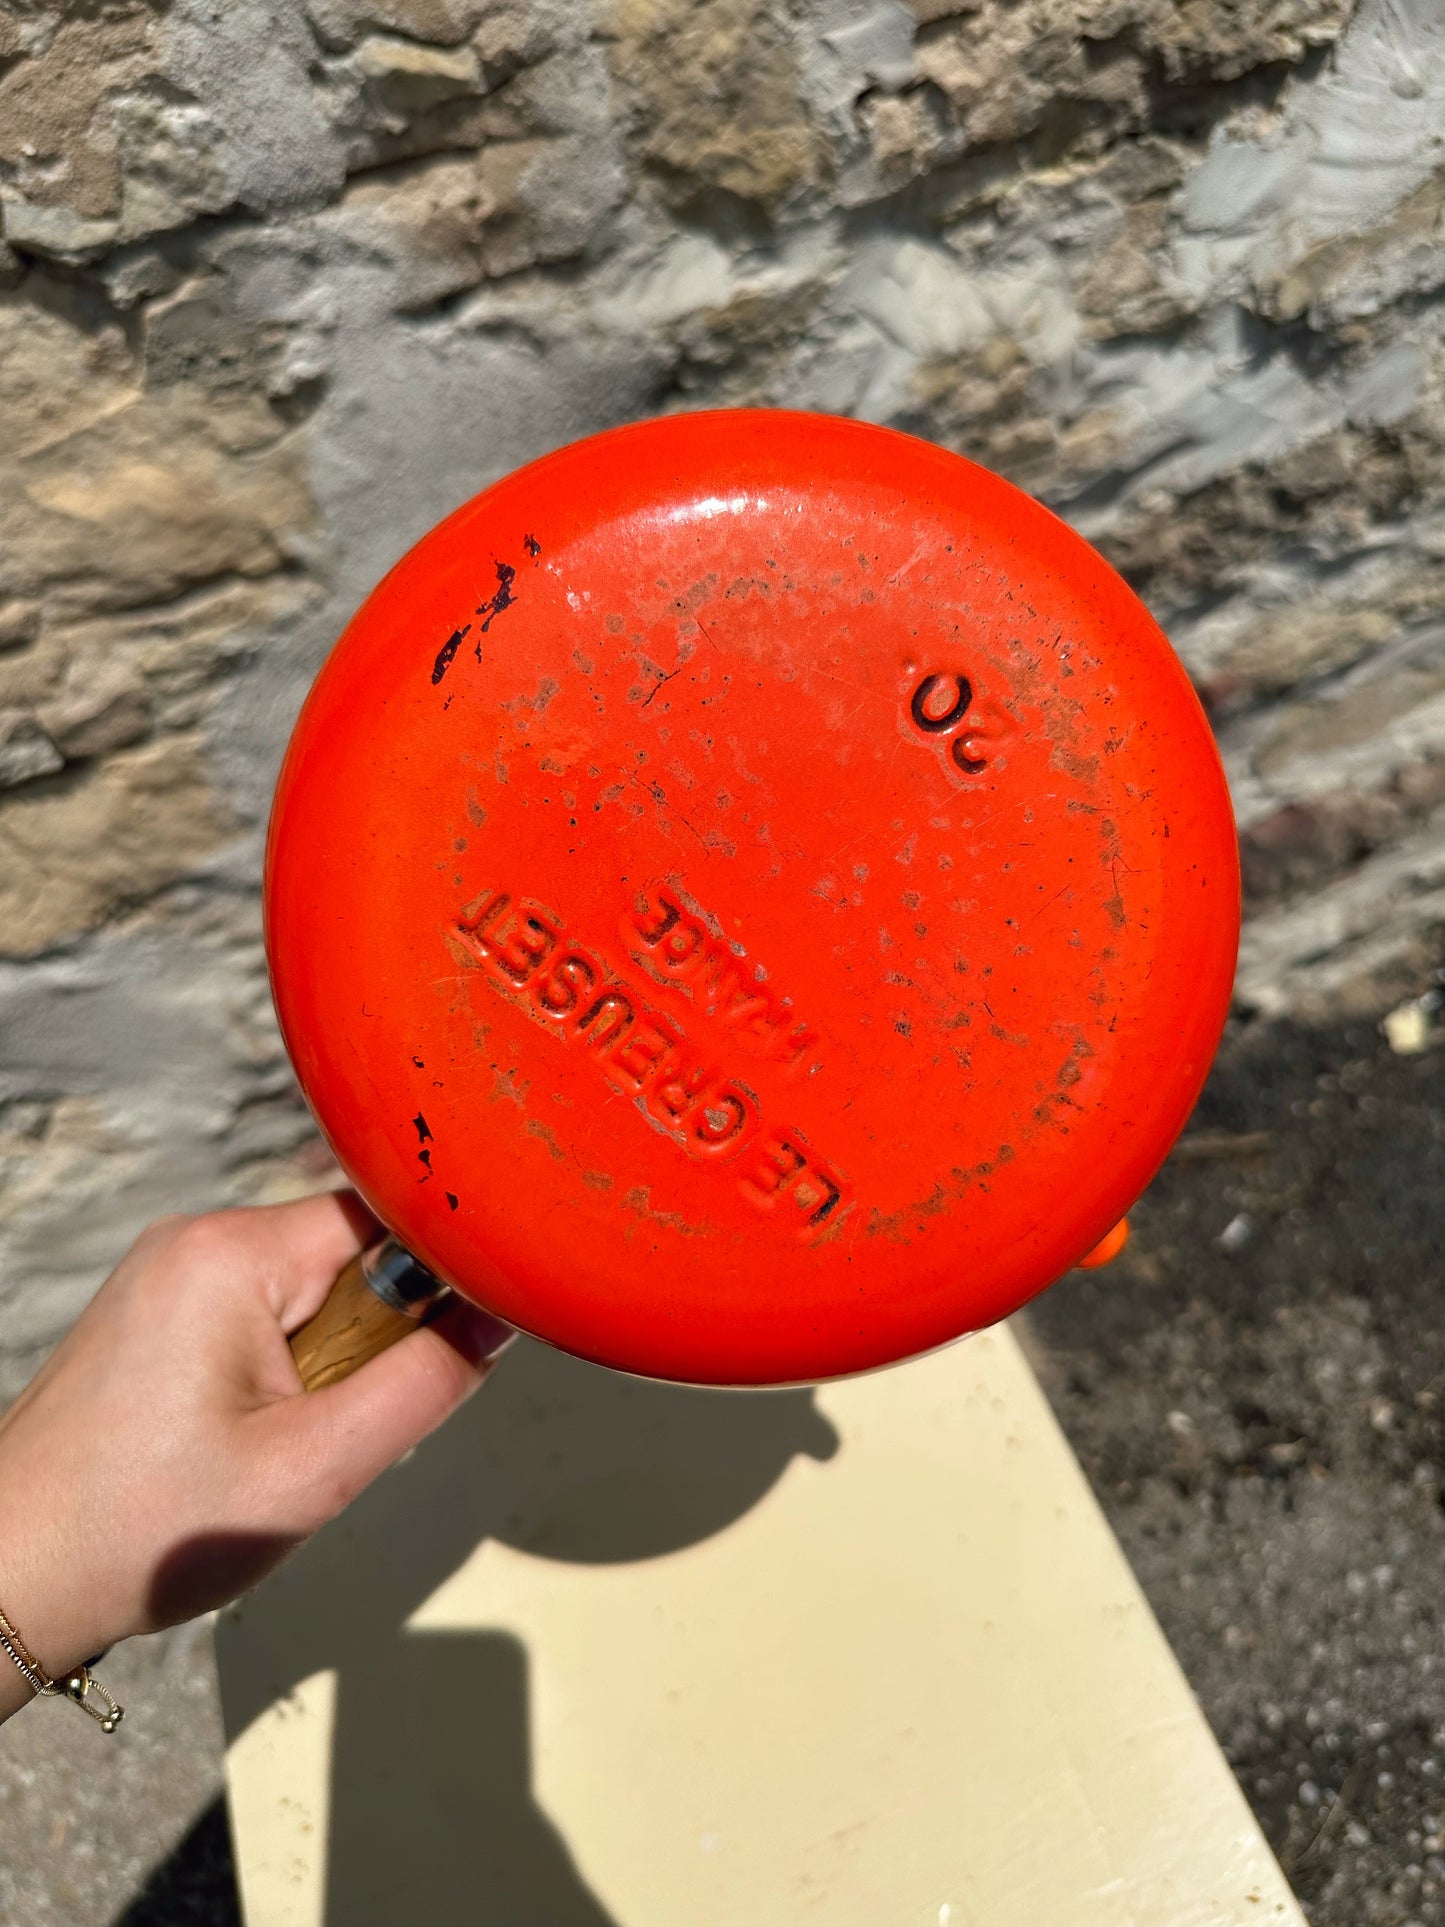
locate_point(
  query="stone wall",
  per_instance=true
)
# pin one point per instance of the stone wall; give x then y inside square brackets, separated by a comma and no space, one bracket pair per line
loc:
[282,283]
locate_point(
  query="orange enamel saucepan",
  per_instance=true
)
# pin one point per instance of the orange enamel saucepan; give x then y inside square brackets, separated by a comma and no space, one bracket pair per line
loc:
[750,897]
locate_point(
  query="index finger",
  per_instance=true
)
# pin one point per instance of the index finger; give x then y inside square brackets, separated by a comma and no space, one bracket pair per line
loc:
[295,1251]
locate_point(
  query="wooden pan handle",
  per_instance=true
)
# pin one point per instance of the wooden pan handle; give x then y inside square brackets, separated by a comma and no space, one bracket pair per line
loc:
[382,1295]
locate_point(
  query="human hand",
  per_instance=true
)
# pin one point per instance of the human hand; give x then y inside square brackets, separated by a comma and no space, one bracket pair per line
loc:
[165,1457]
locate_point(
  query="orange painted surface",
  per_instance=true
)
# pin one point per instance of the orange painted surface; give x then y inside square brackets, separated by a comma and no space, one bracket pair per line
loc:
[751,897]
[1107,1249]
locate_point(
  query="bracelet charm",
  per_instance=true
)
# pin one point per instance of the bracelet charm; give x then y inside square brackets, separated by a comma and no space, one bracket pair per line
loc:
[78,1684]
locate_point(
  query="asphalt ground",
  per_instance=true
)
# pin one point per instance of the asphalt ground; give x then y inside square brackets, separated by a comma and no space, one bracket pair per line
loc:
[1257,1391]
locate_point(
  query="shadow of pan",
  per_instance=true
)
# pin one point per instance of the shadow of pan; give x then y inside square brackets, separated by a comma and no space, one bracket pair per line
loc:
[432,1814]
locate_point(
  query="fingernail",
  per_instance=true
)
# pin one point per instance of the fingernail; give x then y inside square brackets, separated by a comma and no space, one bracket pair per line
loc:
[492,1336]
[479,1336]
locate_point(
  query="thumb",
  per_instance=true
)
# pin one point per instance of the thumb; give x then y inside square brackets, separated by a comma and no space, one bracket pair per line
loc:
[335,1441]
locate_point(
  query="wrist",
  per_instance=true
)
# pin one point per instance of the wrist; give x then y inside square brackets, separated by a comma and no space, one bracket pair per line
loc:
[26,1674]
[59,1631]
[77,1683]
[50,1591]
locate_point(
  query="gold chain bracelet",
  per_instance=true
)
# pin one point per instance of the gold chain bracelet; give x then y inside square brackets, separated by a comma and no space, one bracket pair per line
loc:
[77,1684]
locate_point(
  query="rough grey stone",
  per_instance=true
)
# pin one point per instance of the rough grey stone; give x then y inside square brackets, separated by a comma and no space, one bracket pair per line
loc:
[84,1826]
[25,749]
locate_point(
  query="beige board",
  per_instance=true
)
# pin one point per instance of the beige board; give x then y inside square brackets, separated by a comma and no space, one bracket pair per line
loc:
[613,1654]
